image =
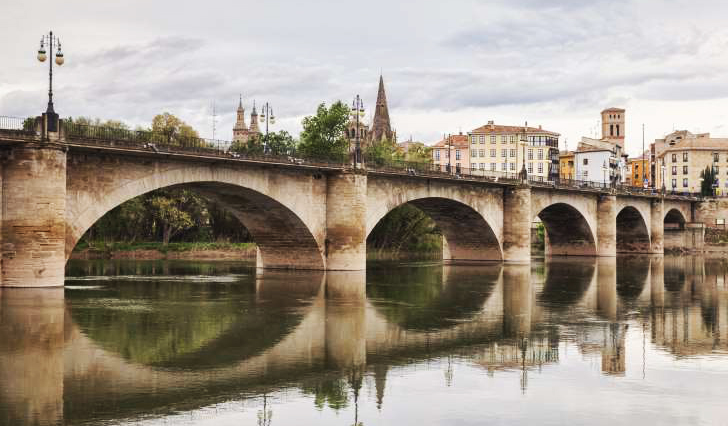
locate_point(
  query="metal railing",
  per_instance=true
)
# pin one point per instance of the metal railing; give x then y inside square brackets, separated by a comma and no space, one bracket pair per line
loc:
[162,143]
[17,125]
[438,171]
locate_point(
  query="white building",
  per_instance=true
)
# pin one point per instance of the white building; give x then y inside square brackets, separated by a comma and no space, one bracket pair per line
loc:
[599,161]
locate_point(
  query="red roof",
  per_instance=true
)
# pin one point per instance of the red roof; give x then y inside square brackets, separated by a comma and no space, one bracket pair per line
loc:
[457,141]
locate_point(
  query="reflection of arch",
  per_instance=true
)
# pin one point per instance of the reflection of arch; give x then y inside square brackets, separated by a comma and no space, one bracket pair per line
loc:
[269,206]
[632,272]
[632,234]
[566,282]
[674,219]
[567,231]
[467,233]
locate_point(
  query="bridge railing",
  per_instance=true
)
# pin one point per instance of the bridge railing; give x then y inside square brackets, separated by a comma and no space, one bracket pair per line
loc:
[25,126]
[445,171]
[159,142]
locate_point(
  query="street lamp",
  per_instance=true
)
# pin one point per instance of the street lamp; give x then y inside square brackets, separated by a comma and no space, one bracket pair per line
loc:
[662,169]
[267,117]
[448,146]
[524,171]
[604,169]
[51,115]
[357,110]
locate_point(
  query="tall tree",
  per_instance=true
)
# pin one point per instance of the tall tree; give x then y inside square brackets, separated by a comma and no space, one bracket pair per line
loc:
[172,130]
[324,134]
[707,180]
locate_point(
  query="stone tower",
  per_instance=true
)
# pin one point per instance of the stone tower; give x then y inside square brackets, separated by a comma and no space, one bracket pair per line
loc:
[240,130]
[613,126]
[381,127]
[254,121]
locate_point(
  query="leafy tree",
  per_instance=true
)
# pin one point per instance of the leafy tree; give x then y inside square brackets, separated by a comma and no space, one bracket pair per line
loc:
[708,179]
[419,153]
[170,129]
[281,143]
[171,216]
[383,152]
[405,228]
[324,134]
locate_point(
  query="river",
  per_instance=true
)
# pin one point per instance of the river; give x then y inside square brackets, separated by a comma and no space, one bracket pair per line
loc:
[632,340]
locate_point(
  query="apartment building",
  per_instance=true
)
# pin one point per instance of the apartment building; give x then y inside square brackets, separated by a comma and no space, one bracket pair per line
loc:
[681,156]
[452,150]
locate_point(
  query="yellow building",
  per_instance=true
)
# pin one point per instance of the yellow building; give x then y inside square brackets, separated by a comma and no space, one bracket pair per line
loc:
[566,165]
[638,170]
[681,157]
[498,148]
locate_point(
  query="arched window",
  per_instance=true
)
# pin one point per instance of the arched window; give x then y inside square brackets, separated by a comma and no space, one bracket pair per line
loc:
[617,129]
[611,130]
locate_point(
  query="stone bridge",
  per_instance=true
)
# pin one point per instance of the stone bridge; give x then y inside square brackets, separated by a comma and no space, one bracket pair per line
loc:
[307,215]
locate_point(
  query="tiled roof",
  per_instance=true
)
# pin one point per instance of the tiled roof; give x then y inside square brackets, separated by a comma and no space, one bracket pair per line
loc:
[499,129]
[614,110]
[457,141]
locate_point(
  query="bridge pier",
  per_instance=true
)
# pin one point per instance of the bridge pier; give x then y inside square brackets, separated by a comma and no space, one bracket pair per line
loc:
[657,227]
[517,224]
[607,226]
[346,211]
[33,229]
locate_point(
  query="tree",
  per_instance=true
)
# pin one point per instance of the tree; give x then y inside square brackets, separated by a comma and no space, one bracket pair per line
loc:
[170,129]
[324,134]
[281,143]
[172,211]
[383,152]
[707,180]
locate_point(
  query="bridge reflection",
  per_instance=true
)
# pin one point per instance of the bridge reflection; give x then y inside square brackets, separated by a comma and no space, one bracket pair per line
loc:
[176,345]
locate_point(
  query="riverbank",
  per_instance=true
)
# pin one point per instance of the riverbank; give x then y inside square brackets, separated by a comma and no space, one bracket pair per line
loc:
[158,251]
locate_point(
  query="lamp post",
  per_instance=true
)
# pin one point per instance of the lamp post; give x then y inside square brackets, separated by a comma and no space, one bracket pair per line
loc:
[604,169]
[52,40]
[524,171]
[357,110]
[267,117]
[449,154]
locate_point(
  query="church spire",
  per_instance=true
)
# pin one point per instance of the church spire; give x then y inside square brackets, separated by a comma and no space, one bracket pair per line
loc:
[254,120]
[240,130]
[381,127]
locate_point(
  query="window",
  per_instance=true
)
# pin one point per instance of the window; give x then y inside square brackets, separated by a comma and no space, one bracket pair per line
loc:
[674,183]
[513,166]
[540,154]
[636,177]
[482,153]
[482,138]
[674,158]
[504,139]
[492,153]
[513,138]
[585,174]
[492,167]
[492,138]
[617,129]
[685,183]
[437,155]
[540,167]
[482,166]
[473,153]
[504,166]
[504,153]
[674,170]
[473,139]
[586,161]
[513,153]
[716,157]
[457,154]
[717,170]
[447,153]
[685,157]
[530,167]
[685,170]
[530,154]
[611,130]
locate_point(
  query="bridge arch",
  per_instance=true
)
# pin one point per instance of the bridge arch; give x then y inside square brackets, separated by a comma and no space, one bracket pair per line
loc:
[280,209]
[568,231]
[674,219]
[469,217]
[632,232]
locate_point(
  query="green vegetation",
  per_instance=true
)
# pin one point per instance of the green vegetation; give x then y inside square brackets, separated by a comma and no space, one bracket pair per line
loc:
[707,179]
[110,247]
[280,143]
[324,134]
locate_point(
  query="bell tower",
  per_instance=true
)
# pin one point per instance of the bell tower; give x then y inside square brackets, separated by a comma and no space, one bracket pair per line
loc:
[613,125]
[240,130]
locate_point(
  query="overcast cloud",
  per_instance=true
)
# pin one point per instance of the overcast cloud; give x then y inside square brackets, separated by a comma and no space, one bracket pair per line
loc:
[448,66]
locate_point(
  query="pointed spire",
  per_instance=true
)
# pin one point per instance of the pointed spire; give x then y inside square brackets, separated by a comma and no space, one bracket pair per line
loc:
[240,104]
[254,120]
[381,127]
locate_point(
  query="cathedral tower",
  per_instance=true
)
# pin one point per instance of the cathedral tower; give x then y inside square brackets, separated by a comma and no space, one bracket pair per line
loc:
[254,121]
[240,130]
[381,127]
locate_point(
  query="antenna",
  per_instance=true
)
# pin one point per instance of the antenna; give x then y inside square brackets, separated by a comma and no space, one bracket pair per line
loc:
[214,120]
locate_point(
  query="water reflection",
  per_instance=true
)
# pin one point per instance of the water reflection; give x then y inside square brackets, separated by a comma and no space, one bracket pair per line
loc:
[133,339]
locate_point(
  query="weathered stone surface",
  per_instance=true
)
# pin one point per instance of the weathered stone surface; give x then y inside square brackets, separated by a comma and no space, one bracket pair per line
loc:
[33,217]
[346,206]
[517,225]
[607,225]
[632,232]
[657,227]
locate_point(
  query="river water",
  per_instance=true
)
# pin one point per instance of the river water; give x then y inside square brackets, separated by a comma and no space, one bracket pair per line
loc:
[632,340]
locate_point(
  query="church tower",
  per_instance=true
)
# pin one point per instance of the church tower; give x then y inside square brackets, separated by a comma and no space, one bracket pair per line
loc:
[613,125]
[240,130]
[254,121]
[381,127]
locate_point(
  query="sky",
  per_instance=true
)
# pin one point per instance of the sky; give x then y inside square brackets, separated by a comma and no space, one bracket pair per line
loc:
[448,66]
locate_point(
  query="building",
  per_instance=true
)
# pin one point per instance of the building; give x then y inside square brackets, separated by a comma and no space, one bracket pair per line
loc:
[498,148]
[599,161]
[681,157]
[638,172]
[241,132]
[413,151]
[453,151]
[566,166]
[613,123]
[381,126]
